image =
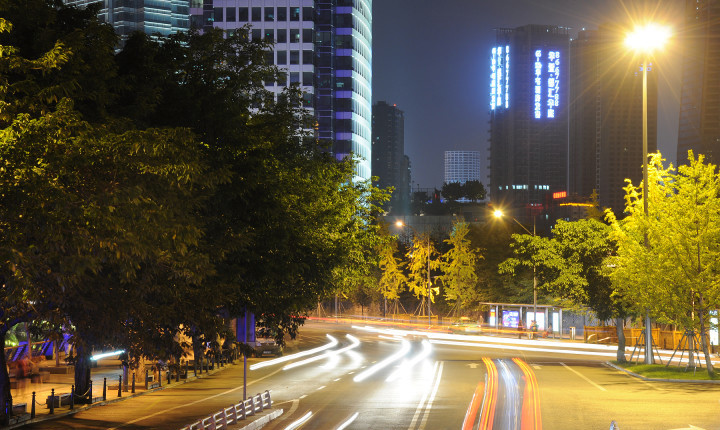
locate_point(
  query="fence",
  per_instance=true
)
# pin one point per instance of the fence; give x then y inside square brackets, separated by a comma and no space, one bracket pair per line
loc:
[664,339]
[233,414]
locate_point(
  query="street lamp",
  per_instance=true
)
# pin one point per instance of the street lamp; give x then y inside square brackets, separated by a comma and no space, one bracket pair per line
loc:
[644,41]
[401,224]
[499,214]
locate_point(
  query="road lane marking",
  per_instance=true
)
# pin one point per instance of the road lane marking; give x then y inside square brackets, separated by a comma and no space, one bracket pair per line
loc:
[335,380]
[422,400]
[583,377]
[348,422]
[193,403]
[320,388]
[303,396]
[293,408]
[300,421]
[428,407]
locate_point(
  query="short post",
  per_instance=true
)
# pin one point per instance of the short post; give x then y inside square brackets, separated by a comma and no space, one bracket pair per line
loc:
[119,385]
[168,376]
[90,396]
[72,397]
[146,379]
[159,377]
[104,389]
[133,383]
[261,402]
[52,401]
[32,408]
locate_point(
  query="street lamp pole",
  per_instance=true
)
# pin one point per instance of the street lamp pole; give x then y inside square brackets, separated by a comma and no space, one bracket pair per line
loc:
[645,40]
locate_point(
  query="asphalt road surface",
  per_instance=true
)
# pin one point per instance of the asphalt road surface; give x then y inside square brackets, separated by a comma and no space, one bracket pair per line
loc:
[381,380]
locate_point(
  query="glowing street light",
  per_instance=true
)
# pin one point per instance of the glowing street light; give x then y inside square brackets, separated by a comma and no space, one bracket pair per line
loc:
[499,214]
[644,41]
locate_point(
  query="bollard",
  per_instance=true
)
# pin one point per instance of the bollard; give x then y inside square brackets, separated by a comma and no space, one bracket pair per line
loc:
[52,401]
[119,385]
[90,396]
[159,377]
[146,379]
[168,376]
[133,383]
[72,397]
[32,408]
[104,389]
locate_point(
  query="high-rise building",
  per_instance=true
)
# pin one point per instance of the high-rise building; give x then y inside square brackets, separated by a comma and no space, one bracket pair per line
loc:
[389,163]
[528,115]
[154,17]
[462,166]
[606,117]
[326,47]
[699,128]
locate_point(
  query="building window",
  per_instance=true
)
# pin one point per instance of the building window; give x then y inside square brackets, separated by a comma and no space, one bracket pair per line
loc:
[281,35]
[294,77]
[308,14]
[269,14]
[294,14]
[230,14]
[269,57]
[243,14]
[256,34]
[281,58]
[282,14]
[307,79]
[257,14]
[294,57]
[307,35]
[294,35]
[269,34]
[218,14]
[307,56]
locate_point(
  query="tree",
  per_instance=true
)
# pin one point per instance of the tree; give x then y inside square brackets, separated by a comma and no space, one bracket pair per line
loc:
[679,262]
[458,266]
[421,264]
[474,191]
[392,277]
[452,191]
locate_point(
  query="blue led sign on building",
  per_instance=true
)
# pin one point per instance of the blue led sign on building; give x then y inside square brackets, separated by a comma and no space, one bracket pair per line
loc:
[546,83]
[500,78]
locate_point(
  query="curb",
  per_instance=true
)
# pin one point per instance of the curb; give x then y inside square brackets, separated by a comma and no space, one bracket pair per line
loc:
[107,402]
[645,378]
[260,423]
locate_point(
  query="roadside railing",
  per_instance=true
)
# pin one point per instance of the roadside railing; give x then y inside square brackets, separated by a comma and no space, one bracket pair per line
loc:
[233,414]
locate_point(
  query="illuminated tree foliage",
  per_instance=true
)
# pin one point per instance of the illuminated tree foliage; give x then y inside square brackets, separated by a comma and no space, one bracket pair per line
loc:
[458,265]
[676,276]
[422,257]
[392,279]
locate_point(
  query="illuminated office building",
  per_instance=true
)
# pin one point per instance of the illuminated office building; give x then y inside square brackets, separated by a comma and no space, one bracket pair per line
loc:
[154,17]
[606,117]
[326,47]
[528,115]
[699,128]
[462,166]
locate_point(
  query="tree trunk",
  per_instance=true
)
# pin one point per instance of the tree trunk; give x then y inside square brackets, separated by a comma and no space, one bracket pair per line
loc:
[5,395]
[703,337]
[82,372]
[619,326]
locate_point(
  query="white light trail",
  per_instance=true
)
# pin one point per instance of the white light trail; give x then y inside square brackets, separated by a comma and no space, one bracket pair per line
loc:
[376,367]
[522,348]
[354,344]
[299,422]
[348,422]
[329,345]
[106,354]
[406,366]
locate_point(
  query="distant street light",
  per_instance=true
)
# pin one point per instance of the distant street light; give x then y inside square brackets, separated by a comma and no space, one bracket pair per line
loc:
[499,214]
[401,224]
[644,41]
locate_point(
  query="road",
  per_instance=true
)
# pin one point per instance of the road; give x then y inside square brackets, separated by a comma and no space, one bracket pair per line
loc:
[432,386]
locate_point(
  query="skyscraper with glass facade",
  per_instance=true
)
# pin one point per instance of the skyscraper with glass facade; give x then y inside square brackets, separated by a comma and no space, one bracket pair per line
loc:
[528,115]
[326,47]
[161,17]
[699,128]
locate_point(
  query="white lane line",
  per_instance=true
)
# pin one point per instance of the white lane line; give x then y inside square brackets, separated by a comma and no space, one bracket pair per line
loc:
[349,421]
[293,408]
[300,421]
[165,411]
[335,380]
[303,396]
[421,405]
[320,388]
[583,377]
[432,397]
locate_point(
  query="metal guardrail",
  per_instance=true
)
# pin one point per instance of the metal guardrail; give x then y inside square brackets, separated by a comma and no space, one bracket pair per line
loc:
[233,414]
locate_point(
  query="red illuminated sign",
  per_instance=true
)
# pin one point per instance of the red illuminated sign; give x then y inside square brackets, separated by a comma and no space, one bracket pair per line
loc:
[560,195]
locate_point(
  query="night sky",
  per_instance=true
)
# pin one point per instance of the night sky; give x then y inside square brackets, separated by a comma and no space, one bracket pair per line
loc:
[431,58]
